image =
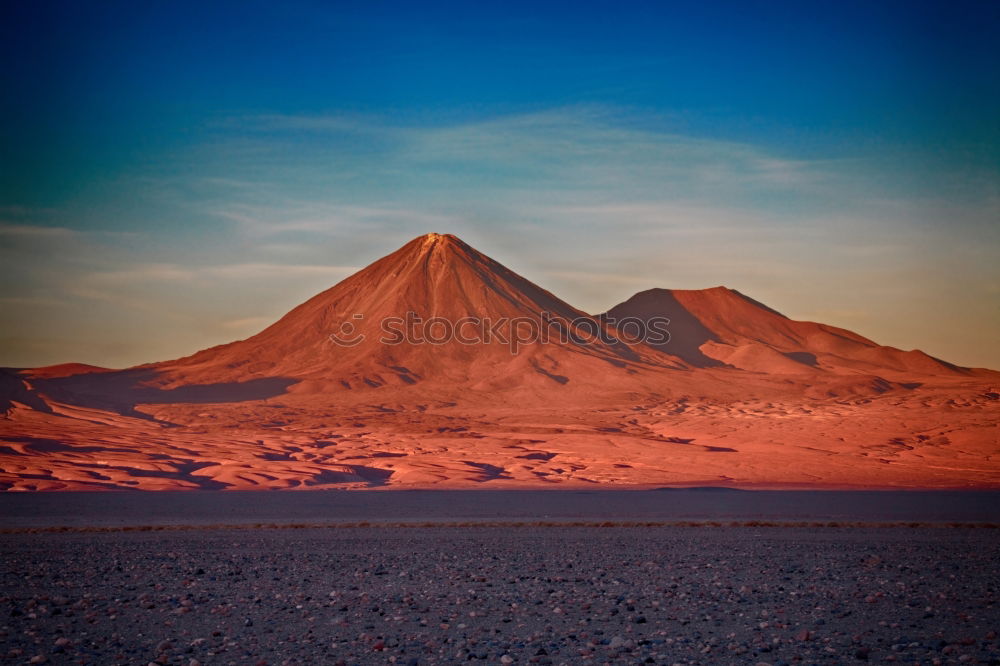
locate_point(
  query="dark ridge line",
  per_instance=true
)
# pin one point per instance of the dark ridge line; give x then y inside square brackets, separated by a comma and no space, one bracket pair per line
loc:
[834,524]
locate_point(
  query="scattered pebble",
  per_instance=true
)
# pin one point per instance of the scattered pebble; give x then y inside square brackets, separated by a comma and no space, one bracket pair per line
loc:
[492,595]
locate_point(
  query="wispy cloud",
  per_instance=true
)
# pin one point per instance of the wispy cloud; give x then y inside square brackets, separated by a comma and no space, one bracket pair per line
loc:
[32,301]
[29,230]
[590,151]
[599,277]
[245,323]
[326,218]
[166,273]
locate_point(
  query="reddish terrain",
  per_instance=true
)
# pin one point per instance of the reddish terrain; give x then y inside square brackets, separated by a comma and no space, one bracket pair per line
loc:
[740,395]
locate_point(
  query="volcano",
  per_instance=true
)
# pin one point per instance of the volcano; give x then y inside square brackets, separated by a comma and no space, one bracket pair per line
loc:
[438,366]
[722,327]
[436,314]
[435,319]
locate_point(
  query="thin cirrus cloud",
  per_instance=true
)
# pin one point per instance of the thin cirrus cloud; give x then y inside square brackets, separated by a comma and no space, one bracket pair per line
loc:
[84,295]
[160,273]
[594,203]
[563,150]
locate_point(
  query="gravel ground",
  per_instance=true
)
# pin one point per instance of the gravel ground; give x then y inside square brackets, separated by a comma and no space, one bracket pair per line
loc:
[558,595]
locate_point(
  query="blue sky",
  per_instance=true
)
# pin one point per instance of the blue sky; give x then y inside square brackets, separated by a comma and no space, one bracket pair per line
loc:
[176,175]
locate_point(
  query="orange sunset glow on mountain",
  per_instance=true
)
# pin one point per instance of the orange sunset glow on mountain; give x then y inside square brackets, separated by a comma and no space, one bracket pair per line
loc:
[737,395]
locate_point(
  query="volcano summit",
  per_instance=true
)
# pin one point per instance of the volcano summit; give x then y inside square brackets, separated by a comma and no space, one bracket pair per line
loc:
[733,394]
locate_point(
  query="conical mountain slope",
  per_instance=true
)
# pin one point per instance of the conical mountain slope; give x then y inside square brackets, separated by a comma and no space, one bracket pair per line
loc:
[435,312]
[722,327]
[438,320]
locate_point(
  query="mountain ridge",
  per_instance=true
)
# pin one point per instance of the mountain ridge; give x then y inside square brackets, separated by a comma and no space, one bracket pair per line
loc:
[739,396]
[724,326]
[714,333]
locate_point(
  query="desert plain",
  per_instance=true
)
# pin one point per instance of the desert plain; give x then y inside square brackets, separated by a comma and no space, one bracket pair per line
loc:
[503,595]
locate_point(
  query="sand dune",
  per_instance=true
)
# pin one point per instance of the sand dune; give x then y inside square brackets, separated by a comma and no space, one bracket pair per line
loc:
[739,396]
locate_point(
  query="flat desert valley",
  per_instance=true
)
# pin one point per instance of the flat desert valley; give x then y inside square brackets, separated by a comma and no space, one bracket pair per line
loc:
[679,576]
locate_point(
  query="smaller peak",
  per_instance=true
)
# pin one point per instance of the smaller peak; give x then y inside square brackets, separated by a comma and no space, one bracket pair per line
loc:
[656,292]
[718,290]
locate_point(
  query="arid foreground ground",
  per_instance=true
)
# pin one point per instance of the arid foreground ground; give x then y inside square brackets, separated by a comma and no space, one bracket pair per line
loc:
[944,439]
[555,595]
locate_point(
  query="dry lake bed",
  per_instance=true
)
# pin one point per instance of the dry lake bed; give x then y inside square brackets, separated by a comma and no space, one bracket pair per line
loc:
[727,587]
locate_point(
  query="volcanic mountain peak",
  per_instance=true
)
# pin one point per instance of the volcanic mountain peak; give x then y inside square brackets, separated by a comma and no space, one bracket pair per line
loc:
[338,338]
[721,326]
[336,341]
[446,246]
[706,300]
[440,275]
[434,241]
